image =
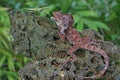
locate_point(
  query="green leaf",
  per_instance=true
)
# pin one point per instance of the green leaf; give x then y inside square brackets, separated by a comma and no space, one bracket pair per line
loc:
[79,22]
[79,4]
[18,64]
[65,5]
[111,17]
[76,18]
[90,24]
[1,73]
[2,60]
[96,24]
[114,37]
[87,13]
[11,63]
[4,52]
[7,72]
[36,9]
[80,26]
[47,11]
[10,77]
[26,59]
[4,42]
[4,8]
[32,3]
[101,25]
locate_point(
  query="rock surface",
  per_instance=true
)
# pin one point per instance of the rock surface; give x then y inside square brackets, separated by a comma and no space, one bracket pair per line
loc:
[37,37]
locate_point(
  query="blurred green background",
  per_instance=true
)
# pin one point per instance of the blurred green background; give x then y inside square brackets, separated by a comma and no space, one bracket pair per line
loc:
[100,15]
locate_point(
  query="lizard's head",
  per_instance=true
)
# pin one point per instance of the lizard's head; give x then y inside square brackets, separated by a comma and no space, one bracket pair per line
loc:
[63,21]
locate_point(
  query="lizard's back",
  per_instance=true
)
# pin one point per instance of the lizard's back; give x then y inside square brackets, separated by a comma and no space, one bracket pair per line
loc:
[73,36]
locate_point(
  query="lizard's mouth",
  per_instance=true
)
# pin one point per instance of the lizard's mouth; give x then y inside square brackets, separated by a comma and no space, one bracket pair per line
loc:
[56,15]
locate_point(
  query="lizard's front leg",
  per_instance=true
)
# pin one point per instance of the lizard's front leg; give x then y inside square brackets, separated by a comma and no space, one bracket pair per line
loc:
[70,52]
[72,55]
[62,37]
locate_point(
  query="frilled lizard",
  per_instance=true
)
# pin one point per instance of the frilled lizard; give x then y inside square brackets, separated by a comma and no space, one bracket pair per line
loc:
[66,31]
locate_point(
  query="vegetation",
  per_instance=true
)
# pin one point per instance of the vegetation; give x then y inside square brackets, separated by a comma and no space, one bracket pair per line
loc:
[100,15]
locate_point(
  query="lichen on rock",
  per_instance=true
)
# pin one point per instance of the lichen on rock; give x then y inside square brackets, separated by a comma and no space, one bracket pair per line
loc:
[37,37]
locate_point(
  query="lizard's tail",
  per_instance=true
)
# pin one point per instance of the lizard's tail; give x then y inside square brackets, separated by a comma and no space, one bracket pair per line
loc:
[106,59]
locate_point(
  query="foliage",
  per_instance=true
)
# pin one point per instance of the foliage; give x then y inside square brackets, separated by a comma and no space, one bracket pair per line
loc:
[93,14]
[82,14]
[9,61]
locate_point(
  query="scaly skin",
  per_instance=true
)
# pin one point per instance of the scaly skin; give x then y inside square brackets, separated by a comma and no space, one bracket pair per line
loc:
[66,30]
